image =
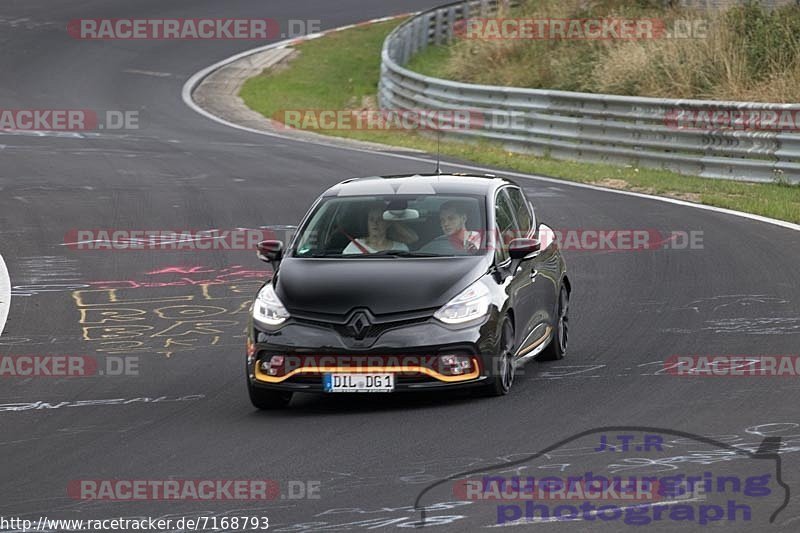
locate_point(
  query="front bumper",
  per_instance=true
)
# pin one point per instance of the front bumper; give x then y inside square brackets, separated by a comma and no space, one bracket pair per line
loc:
[423,341]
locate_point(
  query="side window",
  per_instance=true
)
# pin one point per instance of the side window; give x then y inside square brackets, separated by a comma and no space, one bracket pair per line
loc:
[520,207]
[506,226]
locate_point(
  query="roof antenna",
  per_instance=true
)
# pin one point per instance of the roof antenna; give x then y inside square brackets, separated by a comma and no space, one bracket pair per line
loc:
[438,152]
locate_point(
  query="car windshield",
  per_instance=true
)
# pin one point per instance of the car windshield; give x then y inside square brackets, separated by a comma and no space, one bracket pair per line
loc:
[389,226]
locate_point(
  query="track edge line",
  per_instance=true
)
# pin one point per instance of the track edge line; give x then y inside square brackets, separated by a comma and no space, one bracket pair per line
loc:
[5,294]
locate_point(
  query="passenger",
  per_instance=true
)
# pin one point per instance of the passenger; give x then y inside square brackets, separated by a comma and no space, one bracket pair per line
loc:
[453,218]
[376,239]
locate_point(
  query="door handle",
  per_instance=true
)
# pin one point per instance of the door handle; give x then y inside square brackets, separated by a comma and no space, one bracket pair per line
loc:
[534,273]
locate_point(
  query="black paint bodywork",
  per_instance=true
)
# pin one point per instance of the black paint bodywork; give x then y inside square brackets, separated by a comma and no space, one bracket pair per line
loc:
[400,296]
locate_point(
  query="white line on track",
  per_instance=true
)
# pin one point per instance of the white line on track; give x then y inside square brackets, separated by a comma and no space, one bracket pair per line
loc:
[147,73]
[199,76]
[5,294]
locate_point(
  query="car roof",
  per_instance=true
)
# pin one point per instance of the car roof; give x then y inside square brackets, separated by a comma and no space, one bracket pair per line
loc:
[419,184]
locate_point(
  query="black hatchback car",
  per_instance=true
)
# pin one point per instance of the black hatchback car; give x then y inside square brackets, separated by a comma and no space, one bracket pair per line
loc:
[408,283]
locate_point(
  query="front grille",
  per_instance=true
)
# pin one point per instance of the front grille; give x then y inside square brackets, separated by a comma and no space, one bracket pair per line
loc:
[379,324]
[376,330]
[306,379]
[327,318]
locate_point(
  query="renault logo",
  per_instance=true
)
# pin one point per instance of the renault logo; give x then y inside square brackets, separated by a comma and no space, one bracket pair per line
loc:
[358,325]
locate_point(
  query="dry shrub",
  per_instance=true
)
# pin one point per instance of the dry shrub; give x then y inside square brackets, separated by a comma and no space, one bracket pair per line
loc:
[748,53]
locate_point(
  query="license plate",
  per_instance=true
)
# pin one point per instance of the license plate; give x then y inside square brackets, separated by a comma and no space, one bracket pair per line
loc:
[358,382]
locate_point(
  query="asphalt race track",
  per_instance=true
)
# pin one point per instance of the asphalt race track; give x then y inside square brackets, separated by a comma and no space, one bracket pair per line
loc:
[186,414]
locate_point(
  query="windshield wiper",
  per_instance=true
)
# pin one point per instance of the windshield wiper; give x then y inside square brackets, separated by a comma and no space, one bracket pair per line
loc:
[401,253]
[383,253]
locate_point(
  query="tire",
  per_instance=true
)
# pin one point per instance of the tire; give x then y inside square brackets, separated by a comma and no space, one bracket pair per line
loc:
[557,348]
[268,399]
[503,374]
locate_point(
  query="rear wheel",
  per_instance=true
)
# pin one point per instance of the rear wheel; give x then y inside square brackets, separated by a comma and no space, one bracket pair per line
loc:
[503,371]
[268,399]
[557,348]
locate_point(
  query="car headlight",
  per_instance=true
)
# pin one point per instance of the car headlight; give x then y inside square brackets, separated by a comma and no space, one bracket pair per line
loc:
[268,308]
[470,304]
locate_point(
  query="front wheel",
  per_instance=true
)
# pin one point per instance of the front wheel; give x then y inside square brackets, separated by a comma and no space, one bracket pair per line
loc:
[503,372]
[557,348]
[268,399]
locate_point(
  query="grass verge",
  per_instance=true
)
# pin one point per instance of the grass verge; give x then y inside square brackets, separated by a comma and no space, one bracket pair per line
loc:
[341,71]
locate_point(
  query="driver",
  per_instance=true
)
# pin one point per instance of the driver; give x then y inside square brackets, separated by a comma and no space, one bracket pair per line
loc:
[453,218]
[376,239]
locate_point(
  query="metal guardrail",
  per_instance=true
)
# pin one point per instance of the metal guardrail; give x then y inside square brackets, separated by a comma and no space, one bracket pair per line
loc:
[568,125]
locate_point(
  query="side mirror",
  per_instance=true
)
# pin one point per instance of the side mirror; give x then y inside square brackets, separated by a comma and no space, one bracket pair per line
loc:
[521,248]
[270,251]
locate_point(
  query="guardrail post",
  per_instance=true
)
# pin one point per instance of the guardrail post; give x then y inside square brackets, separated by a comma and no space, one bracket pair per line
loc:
[451,21]
[438,31]
[406,44]
[424,32]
